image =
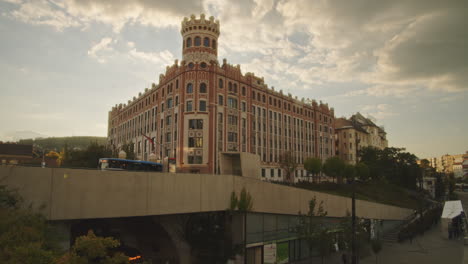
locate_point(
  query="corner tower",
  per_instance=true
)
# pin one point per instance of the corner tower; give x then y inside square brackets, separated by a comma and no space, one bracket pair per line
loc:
[200,39]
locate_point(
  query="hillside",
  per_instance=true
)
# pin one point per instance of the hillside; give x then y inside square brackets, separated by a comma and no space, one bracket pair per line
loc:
[57,143]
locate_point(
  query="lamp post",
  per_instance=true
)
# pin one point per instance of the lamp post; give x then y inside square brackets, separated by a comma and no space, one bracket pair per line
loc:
[353,225]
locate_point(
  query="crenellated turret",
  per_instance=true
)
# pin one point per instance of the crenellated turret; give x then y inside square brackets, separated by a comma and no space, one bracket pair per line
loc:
[200,39]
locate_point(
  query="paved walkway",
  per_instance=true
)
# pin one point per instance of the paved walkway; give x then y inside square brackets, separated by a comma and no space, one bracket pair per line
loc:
[427,249]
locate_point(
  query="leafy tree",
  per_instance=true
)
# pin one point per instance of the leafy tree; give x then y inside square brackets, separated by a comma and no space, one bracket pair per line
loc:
[233,201]
[129,149]
[25,237]
[312,228]
[362,234]
[439,187]
[314,166]
[334,167]
[362,171]
[96,250]
[392,164]
[245,202]
[349,172]
[288,163]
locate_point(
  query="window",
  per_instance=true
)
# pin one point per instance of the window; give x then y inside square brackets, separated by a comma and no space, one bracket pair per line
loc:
[195,142]
[206,42]
[243,90]
[189,88]
[202,106]
[202,87]
[169,103]
[213,44]
[263,172]
[279,173]
[232,103]
[197,41]
[232,120]
[220,100]
[272,173]
[263,98]
[168,137]
[244,107]
[189,107]
[232,137]
[189,42]
[230,87]
[220,83]
[196,123]
[177,100]
[168,120]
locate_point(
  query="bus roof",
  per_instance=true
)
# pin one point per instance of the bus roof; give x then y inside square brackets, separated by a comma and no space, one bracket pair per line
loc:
[134,161]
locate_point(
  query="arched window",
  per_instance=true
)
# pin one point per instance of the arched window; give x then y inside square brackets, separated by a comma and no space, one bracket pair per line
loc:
[197,41]
[189,88]
[202,87]
[206,42]
[220,83]
[189,42]
[213,44]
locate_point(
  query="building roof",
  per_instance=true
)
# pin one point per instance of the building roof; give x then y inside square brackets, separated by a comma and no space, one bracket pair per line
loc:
[15,150]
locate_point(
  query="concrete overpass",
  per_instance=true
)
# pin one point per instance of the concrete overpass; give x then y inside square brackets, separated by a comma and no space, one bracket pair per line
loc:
[84,194]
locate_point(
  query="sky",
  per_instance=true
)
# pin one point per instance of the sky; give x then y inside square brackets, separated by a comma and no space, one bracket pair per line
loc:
[64,64]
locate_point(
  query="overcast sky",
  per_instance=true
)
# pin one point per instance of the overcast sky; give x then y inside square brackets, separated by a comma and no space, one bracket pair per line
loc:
[64,64]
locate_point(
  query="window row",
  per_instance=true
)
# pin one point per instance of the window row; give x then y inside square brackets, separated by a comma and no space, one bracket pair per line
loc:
[203,88]
[197,41]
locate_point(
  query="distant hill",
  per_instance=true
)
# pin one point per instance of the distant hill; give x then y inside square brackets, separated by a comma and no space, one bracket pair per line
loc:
[13,136]
[58,143]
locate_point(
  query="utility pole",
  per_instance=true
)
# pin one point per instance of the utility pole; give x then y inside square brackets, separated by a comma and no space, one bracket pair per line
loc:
[353,225]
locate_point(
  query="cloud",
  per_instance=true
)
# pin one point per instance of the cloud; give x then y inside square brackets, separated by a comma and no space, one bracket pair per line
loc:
[108,49]
[80,13]
[386,43]
[379,111]
[99,48]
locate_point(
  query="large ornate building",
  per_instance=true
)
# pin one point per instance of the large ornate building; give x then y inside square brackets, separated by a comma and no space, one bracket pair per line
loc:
[356,133]
[201,109]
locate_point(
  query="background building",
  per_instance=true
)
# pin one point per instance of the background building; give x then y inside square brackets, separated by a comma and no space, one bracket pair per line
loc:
[201,111]
[356,133]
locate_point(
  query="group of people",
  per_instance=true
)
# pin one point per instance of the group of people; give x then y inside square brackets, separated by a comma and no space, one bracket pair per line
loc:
[456,228]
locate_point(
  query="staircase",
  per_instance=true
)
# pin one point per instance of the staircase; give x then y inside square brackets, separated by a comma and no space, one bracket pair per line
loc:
[391,236]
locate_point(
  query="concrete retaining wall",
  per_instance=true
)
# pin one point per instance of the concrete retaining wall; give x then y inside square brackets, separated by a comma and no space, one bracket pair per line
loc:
[77,193]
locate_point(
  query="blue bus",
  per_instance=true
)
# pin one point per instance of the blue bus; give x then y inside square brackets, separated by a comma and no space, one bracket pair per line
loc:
[129,165]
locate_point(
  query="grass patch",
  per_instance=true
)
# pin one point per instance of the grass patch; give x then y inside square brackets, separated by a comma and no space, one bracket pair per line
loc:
[374,191]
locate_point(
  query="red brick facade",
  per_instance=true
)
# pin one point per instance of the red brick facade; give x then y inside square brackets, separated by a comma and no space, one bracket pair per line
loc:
[233,112]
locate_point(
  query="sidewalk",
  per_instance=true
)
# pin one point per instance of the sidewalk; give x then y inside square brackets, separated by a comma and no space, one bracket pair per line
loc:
[429,248]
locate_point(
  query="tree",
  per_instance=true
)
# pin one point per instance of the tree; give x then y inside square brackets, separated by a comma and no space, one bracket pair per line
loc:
[314,166]
[129,149]
[347,234]
[362,171]
[96,250]
[288,164]
[312,229]
[334,167]
[349,172]
[25,236]
[439,187]
[245,203]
